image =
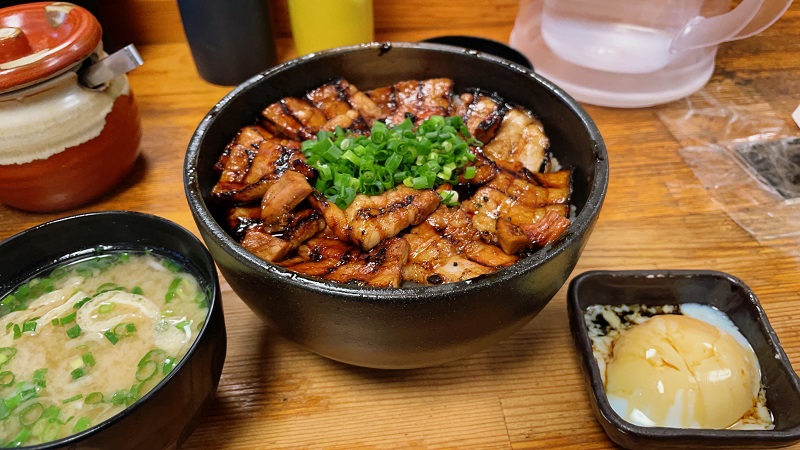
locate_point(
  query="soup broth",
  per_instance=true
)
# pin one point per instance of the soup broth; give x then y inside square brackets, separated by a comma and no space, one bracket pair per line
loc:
[82,343]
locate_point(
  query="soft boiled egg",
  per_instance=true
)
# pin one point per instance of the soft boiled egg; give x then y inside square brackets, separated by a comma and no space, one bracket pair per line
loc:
[694,370]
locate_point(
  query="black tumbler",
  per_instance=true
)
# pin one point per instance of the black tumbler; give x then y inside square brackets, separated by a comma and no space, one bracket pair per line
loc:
[230,40]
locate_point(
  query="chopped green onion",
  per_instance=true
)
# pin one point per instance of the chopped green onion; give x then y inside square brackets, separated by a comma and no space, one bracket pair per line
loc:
[88,359]
[17,332]
[5,411]
[68,318]
[78,373]
[55,322]
[82,302]
[171,266]
[124,329]
[7,378]
[183,324]
[119,398]
[94,398]
[31,414]
[52,412]
[82,424]
[20,439]
[29,326]
[6,353]
[106,307]
[51,431]
[111,337]
[106,287]
[74,332]
[348,164]
[146,371]
[172,291]
[39,378]
[169,364]
[137,290]
[73,398]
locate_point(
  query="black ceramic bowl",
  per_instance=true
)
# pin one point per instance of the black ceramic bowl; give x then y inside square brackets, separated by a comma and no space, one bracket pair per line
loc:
[165,416]
[409,326]
[720,290]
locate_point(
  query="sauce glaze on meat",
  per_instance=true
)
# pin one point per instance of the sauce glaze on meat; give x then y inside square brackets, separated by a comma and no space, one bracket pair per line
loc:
[515,204]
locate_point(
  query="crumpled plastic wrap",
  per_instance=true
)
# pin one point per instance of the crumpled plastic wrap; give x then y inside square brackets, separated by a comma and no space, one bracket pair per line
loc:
[745,157]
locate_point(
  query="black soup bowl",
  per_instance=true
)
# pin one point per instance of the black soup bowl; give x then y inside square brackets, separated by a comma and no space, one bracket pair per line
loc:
[165,416]
[410,326]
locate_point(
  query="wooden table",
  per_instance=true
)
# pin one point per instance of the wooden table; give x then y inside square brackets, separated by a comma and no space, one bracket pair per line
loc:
[524,392]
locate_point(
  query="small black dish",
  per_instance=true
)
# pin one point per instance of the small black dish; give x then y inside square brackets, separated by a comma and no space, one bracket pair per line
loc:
[720,290]
[165,416]
[484,45]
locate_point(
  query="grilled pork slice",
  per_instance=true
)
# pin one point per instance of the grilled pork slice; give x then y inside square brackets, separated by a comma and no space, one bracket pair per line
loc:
[520,143]
[510,210]
[295,118]
[384,98]
[485,169]
[361,102]
[250,137]
[332,99]
[447,248]
[297,229]
[284,195]
[249,171]
[370,219]
[482,113]
[420,99]
[337,260]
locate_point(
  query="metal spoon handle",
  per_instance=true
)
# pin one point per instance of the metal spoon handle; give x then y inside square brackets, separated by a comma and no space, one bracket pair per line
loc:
[122,61]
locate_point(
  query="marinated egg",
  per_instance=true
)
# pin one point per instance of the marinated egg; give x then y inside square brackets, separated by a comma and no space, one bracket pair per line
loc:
[688,370]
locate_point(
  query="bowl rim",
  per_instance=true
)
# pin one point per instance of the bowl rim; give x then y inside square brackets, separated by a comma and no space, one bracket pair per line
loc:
[213,230]
[215,303]
[606,415]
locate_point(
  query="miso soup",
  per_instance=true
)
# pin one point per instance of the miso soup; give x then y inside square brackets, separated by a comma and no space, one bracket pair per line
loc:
[81,343]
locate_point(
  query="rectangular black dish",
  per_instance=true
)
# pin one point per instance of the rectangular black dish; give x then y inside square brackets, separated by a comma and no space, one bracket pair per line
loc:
[720,290]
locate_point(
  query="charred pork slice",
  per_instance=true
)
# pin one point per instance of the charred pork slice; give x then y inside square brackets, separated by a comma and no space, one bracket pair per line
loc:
[370,219]
[284,195]
[249,172]
[298,228]
[249,137]
[295,117]
[421,99]
[336,260]
[332,100]
[485,170]
[482,113]
[446,248]
[520,143]
[361,102]
[509,211]
[384,98]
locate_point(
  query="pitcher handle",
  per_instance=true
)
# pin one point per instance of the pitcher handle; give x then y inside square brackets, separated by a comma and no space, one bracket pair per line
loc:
[749,18]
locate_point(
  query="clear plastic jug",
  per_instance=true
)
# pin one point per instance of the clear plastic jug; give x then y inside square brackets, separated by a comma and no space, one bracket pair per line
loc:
[633,53]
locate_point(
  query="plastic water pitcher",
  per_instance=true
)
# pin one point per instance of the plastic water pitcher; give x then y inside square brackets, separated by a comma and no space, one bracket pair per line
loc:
[634,53]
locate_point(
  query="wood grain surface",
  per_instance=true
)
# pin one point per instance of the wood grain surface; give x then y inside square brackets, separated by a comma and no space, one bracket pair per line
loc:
[524,392]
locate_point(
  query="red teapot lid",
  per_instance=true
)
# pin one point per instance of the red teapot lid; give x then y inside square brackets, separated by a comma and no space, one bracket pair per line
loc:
[40,40]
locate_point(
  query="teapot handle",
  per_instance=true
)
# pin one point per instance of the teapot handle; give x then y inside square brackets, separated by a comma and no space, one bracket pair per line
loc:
[749,18]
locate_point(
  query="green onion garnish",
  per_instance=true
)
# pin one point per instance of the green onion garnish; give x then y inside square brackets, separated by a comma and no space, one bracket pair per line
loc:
[119,397]
[5,411]
[73,398]
[172,291]
[29,326]
[349,164]
[68,318]
[94,398]
[88,359]
[74,332]
[20,439]
[82,424]
[146,371]
[55,322]
[183,324]
[124,329]
[137,290]
[7,378]
[106,307]
[105,287]
[31,414]
[111,337]
[6,353]
[39,378]
[171,266]
[78,373]
[82,302]
[17,331]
